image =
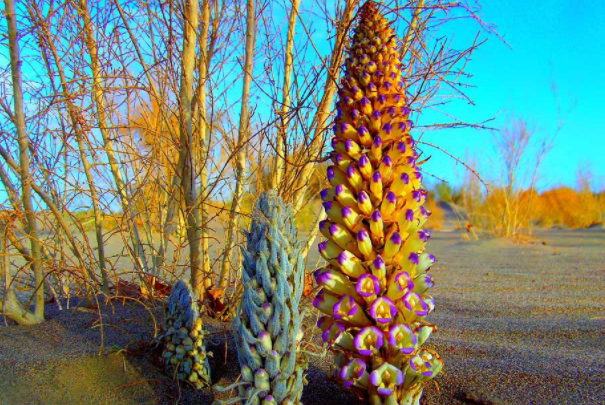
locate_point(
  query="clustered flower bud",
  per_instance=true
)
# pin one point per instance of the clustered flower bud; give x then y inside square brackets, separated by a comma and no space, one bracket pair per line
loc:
[184,355]
[374,290]
[267,324]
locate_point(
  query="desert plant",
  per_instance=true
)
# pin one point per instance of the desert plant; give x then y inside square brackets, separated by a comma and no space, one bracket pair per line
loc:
[374,289]
[184,353]
[267,325]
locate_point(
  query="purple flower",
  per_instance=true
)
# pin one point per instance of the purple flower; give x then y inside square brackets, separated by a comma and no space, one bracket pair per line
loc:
[333,331]
[383,310]
[403,338]
[418,195]
[368,340]
[423,366]
[354,371]
[377,142]
[400,286]
[424,234]
[424,212]
[422,283]
[368,285]
[349,311]
[425,260]
[420,305]
[386,378]
[409,215]
[413,257]
[346,307]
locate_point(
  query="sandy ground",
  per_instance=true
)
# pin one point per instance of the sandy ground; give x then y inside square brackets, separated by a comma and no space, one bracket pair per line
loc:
[518,324]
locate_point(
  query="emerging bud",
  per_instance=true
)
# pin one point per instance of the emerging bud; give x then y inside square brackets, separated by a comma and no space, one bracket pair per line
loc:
[325,302]
[363,203]
[388,205]
[336,176]
[334,281]
[344,195]
[350,265]
[354,178]
[350,218]
[392,246]
[365,167]
[329,250]
[376,226]
[261,380]
[376,149]
[339,235]
[327,194]
[378,268]
[364,244]
[364,136]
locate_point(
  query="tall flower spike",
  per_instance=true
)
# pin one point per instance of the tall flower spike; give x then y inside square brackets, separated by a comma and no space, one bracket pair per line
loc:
[267,324]
[375,289]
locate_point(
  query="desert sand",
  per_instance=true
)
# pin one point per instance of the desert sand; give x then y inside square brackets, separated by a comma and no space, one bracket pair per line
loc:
[518,324]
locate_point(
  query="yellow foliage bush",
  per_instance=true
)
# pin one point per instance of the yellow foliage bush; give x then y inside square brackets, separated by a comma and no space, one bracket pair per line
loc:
[504,215]
[565,206]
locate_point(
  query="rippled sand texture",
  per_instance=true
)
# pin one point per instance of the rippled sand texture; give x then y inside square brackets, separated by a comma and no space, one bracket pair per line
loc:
[518,324]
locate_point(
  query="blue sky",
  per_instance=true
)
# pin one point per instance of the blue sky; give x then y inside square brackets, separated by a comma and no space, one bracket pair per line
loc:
[551,40]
